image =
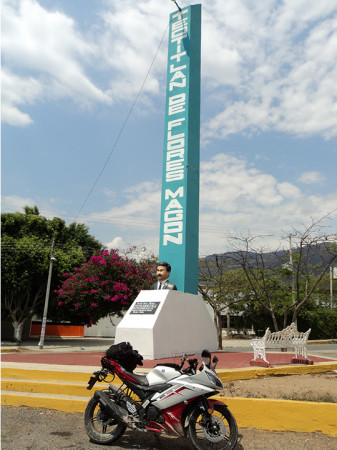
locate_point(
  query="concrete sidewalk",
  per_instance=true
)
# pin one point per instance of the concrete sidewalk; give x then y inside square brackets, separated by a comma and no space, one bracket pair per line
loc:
[56,344]
[62,345]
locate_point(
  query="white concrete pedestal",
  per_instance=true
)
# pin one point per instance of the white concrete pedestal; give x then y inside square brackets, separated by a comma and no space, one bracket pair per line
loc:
[166,323]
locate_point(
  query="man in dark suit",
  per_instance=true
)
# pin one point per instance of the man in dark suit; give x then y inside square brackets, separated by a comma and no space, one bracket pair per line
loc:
[163,272]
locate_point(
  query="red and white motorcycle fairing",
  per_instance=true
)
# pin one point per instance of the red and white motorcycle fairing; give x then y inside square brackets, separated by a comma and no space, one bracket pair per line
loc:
[173,400]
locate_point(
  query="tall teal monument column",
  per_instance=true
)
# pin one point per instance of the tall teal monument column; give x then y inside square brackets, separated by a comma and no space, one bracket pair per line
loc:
[179,221]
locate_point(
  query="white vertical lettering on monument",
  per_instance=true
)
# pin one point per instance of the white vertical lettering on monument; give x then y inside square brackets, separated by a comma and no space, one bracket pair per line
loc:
[176,141]
[173,217]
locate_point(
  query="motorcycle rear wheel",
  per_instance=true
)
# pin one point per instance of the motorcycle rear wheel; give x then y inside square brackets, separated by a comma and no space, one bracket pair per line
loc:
[221,435]
[100,428]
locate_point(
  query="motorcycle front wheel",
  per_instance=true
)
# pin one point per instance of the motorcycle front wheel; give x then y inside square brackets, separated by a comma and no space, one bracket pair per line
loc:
[220,433]
[100,428]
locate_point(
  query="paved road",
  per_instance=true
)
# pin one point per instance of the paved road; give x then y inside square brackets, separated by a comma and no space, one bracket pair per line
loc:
[101,344]
[33,428]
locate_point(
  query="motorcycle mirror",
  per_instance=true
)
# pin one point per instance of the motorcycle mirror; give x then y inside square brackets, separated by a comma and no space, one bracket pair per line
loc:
[183,359]
[215,361]
[206,357]
[206,354]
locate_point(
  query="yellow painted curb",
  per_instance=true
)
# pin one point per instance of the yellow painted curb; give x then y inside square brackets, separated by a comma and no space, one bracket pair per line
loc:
[10,350]
[36,401]
[283,415]
[43,387]
[53,375]
[50,389]
[258,372]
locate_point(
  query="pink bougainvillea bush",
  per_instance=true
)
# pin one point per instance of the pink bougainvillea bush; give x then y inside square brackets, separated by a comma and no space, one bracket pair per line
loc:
[107,284]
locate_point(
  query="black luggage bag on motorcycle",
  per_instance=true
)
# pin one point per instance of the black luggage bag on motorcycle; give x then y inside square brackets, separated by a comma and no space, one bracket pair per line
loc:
[125,355]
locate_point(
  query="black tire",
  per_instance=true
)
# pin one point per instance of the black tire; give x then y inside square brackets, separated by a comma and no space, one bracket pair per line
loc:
[224,434]
[100,428]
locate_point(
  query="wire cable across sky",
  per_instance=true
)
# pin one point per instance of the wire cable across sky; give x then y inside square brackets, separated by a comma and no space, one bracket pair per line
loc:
[123,126]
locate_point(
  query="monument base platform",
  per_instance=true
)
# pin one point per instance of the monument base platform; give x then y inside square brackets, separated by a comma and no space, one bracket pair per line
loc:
[162,324]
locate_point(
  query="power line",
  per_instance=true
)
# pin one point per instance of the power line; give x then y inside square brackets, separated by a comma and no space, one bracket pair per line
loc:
[123,125]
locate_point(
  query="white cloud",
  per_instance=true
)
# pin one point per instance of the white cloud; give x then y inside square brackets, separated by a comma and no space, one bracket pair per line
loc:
[235,197]
[131,36]
[15,203]
[289,190]
[285,68]
[228,184]
[139,208]
[13,116]
[265,65]
[110,194]
[117,243]
[311,177]
[17,91]
[257,204]
[50,54]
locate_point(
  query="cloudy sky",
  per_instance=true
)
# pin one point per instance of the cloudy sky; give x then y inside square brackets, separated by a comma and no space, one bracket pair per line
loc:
[83,98]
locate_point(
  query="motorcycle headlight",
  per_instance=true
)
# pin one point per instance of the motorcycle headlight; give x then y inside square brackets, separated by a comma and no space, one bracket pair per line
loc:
[214,379]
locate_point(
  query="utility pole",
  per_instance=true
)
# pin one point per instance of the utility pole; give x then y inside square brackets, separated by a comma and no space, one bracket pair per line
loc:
[291,262]
[331,288]
[46,301]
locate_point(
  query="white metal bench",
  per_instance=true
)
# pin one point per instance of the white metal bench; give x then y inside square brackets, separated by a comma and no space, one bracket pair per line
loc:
[289,337]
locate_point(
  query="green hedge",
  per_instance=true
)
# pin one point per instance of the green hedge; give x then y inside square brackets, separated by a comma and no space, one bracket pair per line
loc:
[322,321]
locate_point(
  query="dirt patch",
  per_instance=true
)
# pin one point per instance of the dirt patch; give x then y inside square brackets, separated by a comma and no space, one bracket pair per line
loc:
[320,387]
[47,429]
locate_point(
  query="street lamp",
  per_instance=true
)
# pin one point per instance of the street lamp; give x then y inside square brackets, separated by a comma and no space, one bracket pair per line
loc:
[174,1]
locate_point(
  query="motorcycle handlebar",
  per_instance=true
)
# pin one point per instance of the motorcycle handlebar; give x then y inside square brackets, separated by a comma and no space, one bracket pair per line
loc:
[97,376]
[92,382]
[193,363]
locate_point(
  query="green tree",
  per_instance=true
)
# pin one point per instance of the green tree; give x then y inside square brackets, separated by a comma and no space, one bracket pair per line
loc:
[25,251]
[326,292]
[106,285]
[282,287]
[222,288]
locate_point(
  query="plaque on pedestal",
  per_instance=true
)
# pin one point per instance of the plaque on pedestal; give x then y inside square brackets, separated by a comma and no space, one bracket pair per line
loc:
[161,324]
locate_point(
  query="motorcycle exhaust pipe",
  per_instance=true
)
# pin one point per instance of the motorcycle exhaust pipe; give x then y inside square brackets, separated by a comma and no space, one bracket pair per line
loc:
[111,408]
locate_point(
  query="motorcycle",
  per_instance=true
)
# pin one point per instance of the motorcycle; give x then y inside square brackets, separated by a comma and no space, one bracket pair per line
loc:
[169,399]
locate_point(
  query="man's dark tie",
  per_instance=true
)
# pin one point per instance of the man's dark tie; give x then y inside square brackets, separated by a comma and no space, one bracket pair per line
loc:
[160,285]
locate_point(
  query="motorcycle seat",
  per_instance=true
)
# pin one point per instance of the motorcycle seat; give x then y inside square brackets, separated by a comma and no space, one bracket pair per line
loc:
[141,379]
